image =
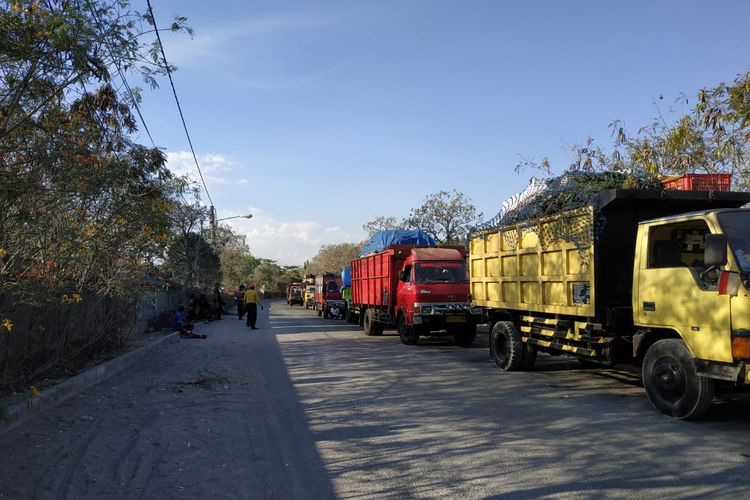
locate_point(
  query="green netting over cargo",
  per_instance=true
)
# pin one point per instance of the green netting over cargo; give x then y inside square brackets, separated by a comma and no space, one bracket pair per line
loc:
[547,197]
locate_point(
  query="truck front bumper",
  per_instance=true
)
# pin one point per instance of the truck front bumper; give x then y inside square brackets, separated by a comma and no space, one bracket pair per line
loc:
[442,316]
[737,373]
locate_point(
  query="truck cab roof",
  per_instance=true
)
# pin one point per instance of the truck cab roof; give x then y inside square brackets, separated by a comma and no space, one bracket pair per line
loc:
[697,213]
[437,254]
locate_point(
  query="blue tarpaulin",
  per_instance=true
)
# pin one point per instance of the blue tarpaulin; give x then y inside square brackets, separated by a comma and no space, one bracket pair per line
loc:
[380,241]
[346,277]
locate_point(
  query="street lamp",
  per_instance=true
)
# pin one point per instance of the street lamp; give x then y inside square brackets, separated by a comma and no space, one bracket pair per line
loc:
[215,221]
[248,216]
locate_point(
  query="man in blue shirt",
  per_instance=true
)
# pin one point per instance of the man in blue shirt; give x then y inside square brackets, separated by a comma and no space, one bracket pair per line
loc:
[183,325]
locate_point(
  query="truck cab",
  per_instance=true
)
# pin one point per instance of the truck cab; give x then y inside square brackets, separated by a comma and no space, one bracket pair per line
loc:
[327,294]
[332,297]
[295,294]
[433,292]
[309,296]
[691,301]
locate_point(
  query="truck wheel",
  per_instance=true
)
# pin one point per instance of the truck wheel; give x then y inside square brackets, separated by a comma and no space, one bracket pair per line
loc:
[529,357]
[466,337]
[672,383]
[371,326]
[506,346]
[320,312]
[408,334]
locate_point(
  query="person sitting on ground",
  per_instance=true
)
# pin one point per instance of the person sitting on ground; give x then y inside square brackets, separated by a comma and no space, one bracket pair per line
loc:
[184,326]
[334,312]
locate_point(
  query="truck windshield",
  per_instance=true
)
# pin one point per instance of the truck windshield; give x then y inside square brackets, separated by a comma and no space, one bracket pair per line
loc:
[736,226]
[440,272]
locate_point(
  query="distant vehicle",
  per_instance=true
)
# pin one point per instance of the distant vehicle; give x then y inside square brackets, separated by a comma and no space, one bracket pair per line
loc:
[656,278]
[327,293]
[309,296]
[295,294]
[417,288]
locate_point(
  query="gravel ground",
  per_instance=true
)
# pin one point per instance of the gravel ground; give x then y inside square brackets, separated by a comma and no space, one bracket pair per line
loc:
[311,408]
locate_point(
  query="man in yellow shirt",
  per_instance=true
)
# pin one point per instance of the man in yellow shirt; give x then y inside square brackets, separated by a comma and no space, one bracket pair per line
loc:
[252,301]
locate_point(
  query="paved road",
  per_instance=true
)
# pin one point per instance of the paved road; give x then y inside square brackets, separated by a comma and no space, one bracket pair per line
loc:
[311,408]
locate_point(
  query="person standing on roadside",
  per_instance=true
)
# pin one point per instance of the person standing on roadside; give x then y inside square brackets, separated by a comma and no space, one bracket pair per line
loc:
[252,301]
[218,302]
[240,298]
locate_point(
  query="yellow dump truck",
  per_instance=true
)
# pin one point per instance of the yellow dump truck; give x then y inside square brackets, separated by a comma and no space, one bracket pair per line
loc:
[656,278]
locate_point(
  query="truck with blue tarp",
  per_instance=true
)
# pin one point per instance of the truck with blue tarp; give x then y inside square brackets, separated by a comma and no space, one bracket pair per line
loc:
[403,279]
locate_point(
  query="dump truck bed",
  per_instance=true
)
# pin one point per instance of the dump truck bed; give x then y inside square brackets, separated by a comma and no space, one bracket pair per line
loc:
[579,262]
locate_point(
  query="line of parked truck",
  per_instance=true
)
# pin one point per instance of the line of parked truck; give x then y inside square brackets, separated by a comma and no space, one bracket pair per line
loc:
[654,278]
[320,293]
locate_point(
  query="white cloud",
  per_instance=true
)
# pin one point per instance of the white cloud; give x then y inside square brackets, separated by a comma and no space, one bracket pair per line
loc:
[219,44]
[289,242]
[216,168]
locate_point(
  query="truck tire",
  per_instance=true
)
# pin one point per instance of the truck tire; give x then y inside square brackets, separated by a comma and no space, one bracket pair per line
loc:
[320,312]
[409,335]
[506,346]
[465,338]
[672,383]
[529,357]
[371,326]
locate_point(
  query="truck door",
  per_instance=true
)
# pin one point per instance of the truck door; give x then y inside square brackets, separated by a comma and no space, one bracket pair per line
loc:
[405,291]
[674,292]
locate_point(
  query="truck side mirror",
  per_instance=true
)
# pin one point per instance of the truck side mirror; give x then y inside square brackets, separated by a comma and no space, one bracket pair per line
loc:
[715,252]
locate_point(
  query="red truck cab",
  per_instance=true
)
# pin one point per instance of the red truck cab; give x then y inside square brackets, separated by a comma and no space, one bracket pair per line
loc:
[328,294]
[418,290]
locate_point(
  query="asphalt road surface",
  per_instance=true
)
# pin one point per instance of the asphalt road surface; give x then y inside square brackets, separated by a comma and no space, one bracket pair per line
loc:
[311,408]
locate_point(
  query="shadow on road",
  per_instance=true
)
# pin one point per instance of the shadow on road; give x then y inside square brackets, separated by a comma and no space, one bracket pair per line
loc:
[393,421]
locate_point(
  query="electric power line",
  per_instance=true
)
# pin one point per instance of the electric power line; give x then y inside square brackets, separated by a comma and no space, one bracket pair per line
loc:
[122,77]
[177,100]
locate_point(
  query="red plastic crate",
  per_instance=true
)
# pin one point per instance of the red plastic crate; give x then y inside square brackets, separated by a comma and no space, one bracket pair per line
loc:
[698,182]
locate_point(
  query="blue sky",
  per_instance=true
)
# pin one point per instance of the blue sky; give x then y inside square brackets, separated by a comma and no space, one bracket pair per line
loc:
[319,116]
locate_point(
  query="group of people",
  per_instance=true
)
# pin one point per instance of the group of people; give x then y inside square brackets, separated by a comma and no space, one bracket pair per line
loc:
[200,308]
[247,301]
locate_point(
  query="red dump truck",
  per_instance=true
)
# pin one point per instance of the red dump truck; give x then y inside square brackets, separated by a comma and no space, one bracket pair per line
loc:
[419,290]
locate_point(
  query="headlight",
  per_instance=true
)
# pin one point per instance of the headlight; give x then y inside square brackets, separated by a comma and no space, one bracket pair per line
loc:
[426,309]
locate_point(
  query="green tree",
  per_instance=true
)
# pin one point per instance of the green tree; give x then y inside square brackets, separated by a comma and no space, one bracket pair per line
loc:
[332,258]
[235,257]
[85,212]
[192,260]
[713,136]
[446,216]
[83,207]
[267,275]
[381,223]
